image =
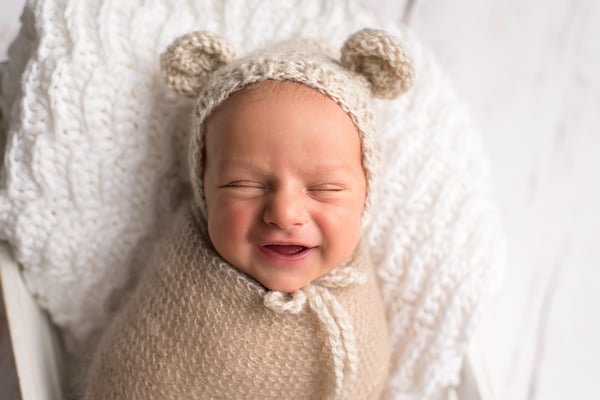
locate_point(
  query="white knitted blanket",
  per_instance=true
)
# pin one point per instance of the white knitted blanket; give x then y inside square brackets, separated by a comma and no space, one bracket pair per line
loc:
[91,172]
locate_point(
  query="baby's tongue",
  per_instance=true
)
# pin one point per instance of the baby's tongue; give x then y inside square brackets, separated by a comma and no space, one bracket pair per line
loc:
[285,249]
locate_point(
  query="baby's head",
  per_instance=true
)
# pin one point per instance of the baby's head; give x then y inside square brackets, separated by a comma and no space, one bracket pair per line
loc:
[282,149]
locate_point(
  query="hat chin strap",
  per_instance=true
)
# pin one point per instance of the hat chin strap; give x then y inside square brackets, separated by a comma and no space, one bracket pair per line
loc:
[334,318]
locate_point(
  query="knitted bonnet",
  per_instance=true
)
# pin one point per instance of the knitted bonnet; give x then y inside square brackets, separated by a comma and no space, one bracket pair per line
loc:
[372,64]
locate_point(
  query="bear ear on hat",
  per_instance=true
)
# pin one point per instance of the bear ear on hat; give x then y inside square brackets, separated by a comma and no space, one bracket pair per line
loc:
[187,62]
[381,59]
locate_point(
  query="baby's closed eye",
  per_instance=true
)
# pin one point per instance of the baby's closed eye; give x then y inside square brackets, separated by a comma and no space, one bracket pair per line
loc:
[243,185]
[326,191]
[326,187]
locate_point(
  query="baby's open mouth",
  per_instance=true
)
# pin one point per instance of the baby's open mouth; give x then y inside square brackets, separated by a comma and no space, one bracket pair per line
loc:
[287,249]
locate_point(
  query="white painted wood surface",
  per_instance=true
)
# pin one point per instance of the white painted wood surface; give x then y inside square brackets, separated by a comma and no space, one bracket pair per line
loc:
[527,68]
[34,341]
[529,71]
[9,386]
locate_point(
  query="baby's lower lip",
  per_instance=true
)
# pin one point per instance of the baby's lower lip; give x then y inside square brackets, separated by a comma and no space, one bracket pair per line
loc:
[285,253]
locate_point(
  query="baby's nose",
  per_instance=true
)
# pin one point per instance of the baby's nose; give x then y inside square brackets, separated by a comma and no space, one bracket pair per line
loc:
[285,209]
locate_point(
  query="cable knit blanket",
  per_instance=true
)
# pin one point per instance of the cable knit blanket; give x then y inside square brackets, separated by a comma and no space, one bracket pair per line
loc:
[91,171]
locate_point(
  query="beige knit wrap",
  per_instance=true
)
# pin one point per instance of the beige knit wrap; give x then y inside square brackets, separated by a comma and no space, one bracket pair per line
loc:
[197,328]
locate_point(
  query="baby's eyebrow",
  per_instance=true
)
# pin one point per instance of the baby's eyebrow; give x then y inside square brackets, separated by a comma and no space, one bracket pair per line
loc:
[250,166]
[331,169]
[256,167]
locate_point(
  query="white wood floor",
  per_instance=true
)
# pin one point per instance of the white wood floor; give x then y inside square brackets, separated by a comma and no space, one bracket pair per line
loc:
[528,69]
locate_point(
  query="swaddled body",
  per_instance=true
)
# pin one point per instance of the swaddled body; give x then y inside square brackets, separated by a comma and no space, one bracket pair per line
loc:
[197,328]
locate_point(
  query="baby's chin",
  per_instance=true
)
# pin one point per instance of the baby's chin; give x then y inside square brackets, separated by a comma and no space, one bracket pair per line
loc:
[284,285]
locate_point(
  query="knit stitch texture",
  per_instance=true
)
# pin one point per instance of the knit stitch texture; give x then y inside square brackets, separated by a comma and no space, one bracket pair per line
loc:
[91,170]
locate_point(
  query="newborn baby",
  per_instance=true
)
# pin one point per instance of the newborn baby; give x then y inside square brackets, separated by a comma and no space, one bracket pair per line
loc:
[261,288]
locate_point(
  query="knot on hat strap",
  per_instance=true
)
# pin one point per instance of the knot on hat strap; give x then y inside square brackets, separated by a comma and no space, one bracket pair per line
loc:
[333,317]
[283,302]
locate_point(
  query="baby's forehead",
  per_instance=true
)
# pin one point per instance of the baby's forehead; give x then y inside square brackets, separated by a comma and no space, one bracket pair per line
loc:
[261,93]
[258,101]
[292,118]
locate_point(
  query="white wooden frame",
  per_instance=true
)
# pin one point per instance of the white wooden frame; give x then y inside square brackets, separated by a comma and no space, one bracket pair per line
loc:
[38,358]
[34,341]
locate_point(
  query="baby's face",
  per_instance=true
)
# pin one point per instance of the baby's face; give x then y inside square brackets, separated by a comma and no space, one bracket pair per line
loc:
[284,184]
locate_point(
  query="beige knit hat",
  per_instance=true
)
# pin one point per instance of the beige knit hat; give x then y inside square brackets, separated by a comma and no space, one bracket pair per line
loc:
[372,64]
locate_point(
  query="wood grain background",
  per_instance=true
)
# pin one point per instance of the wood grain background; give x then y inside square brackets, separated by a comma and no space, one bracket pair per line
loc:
[528,69]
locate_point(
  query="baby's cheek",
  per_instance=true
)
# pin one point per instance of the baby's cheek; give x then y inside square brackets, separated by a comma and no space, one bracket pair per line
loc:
[228,230]
[233,221]
[342,226]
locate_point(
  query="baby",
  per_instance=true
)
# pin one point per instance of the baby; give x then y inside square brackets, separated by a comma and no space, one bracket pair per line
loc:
[261,288]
